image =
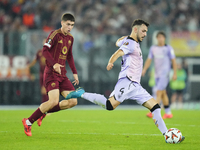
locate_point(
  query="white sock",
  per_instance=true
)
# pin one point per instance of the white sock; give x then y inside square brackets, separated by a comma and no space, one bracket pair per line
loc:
[159,121]
[95,98]
[28,123]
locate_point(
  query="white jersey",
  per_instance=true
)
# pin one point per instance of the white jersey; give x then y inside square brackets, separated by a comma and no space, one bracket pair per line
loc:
[132,61]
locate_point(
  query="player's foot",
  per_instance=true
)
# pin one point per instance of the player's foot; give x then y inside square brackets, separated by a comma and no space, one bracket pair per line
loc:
[182,139]
[149,115]
[165,116]
[27,129]
[39,121]
[76,94]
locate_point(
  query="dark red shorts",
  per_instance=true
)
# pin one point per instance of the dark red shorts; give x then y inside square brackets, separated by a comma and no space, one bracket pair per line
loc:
[52,82]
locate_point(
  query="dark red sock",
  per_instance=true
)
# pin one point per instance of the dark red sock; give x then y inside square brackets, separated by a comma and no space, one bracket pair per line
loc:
[55,109]
[35,116]
[45,98]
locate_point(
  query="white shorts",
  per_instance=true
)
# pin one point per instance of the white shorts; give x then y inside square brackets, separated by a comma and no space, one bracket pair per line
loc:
[126,89]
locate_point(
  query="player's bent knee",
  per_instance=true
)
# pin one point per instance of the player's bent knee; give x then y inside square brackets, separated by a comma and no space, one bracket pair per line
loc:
[52,104]
[109,105]
[73,102]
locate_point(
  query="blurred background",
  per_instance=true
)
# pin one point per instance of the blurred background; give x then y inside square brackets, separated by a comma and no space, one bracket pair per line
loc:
[99,23]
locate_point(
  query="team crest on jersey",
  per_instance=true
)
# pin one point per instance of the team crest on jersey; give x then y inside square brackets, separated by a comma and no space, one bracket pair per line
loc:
[126,43]
[53,84]
[64,50]
[69,42]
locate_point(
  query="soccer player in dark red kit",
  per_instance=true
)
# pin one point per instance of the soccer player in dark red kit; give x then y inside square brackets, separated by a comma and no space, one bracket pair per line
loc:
[42,61]
[56,50]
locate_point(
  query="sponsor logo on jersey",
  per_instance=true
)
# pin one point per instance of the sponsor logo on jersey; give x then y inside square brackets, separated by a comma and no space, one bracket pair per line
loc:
[64,50]
[62,57]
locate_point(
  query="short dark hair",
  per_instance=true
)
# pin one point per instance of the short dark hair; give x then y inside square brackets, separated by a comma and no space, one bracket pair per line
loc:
[139,22]
[161,33]
[67,16]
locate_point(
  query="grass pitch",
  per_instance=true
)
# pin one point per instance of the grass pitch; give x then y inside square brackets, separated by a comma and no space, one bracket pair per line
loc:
[97,130]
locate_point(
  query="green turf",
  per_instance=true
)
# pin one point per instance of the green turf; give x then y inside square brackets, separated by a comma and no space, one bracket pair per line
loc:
[97,130]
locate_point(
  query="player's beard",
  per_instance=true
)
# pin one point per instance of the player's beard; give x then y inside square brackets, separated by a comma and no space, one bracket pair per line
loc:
[138,39]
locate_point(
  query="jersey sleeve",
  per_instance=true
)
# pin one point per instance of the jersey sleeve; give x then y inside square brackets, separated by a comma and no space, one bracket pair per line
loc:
[171,53]
[127,47]
[120,41]
[47,46]
[150,55]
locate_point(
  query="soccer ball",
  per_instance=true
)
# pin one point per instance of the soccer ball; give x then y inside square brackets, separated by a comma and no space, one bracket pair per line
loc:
[173,136]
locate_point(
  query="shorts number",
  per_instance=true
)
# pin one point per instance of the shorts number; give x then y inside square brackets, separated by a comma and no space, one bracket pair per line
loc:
[121,90]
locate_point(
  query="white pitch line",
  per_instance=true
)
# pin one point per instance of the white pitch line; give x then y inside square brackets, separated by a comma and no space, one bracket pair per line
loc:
[83,121]
[78,133]
[75,133]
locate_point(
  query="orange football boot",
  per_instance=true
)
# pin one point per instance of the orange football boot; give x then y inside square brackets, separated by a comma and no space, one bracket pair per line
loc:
[39,121]
[27,129]
[149,115]
[167,116]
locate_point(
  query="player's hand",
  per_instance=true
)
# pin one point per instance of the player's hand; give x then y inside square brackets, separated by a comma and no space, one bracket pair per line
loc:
[76,81]
[143,72]
[56,67]
[109,66]
[174,77]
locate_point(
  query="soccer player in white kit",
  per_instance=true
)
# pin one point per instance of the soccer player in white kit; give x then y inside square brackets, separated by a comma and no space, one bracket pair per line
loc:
[128,85]
[163,56]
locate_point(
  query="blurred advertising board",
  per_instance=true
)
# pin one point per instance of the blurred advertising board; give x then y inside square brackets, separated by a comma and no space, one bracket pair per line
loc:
[186,43]
[14,68]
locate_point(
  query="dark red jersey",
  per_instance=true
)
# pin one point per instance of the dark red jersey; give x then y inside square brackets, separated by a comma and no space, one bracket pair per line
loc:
[58,49]
[41,59]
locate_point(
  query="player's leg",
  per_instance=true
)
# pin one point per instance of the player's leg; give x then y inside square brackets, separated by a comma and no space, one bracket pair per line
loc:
[65,87]
[44,99]
[109,104]
[161,85]
[165,101]
[173,100]
[155,109]
[66,104]
[142,97]
[159,94]
[98,99]
[101,100]
[43,108]
[44,94]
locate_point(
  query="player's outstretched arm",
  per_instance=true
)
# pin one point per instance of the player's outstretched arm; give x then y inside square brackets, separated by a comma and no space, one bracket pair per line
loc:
[146,66]
[113,58]
[174,77]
